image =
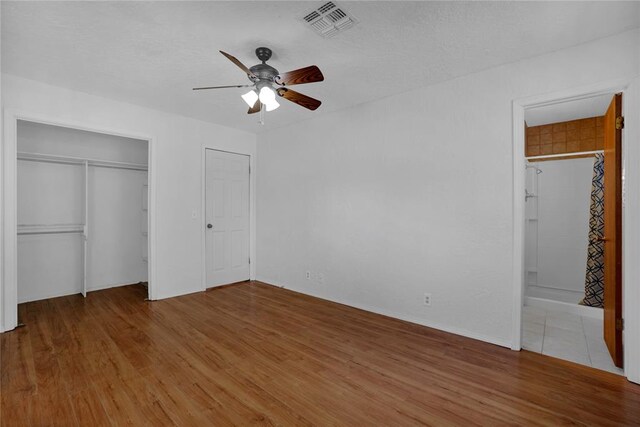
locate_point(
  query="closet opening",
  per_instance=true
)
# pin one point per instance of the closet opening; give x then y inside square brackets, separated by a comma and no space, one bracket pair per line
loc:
[572,305]
[82,211]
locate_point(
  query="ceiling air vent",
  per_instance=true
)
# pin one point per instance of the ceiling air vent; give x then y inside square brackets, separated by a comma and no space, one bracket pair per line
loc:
[329,19]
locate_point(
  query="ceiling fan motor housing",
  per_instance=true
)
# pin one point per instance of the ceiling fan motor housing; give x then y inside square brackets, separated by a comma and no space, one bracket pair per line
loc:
[264,72]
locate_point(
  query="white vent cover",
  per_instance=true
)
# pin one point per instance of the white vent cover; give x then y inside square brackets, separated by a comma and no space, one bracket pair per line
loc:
[329,19]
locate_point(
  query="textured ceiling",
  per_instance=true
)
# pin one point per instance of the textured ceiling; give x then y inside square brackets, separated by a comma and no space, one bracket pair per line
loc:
[153,53]
[579,109]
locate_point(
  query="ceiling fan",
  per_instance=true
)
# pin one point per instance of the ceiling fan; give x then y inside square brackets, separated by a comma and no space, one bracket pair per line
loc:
[266,82]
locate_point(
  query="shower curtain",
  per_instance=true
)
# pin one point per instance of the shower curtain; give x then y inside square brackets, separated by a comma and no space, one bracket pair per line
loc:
[594,278]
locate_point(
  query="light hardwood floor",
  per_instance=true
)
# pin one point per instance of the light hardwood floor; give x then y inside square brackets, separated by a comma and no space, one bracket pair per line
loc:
[255,354]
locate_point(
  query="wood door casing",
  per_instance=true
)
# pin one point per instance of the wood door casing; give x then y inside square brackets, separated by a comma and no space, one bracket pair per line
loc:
[613,231]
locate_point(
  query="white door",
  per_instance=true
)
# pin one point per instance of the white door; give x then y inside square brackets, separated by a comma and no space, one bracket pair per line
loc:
[227,217]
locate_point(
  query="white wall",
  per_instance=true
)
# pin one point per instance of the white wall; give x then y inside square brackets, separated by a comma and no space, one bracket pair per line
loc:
[177,148]
[48,195]
[563,199]
[116,245]
[50,265]
[413,193]
[57,140]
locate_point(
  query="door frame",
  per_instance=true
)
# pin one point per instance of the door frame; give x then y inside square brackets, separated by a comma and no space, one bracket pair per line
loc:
[9,254]
[630,209]
[252,210]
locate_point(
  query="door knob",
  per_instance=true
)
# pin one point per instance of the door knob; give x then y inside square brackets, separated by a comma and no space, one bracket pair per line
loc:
[209,225]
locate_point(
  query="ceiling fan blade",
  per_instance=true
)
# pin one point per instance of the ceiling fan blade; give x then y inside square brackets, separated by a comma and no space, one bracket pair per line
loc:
[220,87]
[238,63]
[300,99]
[255,108]
[301,76]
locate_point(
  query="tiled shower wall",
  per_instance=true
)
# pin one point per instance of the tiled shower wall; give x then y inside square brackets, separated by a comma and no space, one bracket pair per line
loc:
[565,137]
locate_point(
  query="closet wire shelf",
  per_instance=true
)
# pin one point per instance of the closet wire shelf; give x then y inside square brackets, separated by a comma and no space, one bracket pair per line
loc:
[52,158]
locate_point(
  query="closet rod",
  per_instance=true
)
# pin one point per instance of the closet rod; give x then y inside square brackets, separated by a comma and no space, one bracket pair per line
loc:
[52,158]
[50,228]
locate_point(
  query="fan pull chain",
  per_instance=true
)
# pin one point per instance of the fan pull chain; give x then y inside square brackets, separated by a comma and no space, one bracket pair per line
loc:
[261,120]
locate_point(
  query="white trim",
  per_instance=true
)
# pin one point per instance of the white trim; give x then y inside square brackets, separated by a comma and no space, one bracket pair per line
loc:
[519,175]
[573,94]
[9,226]
[631,230]
[252,210]
[564,307]
[85,240]
[9,287]
[418,321]
[632,337]
[2,200]
[203,219]
[152,191]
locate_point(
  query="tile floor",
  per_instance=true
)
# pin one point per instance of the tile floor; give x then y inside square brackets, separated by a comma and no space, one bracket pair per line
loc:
[566,336]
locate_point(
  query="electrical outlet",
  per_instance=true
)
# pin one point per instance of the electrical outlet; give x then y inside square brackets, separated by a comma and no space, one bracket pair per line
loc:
[308,275]
[427,299]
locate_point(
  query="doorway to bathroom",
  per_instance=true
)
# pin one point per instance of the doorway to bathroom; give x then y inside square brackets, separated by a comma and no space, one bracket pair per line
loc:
[572,305]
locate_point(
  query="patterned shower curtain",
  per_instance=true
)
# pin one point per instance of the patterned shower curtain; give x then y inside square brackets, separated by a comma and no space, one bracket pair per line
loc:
[594,278]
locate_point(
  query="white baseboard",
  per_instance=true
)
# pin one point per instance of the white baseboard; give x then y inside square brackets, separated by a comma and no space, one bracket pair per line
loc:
[564,307]
[446,328]
[68,292]
[554,293]
[113,285]
[50,295]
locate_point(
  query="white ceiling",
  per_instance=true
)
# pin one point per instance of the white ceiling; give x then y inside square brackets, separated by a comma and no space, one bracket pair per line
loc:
[572,110]
[153,53]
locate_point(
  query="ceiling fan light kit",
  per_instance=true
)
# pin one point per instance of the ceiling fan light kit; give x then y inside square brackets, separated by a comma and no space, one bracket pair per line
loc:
[268,98]
[250,97]
[267,82]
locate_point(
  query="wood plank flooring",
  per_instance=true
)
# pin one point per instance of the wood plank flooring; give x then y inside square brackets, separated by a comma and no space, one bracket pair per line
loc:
[253,354]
